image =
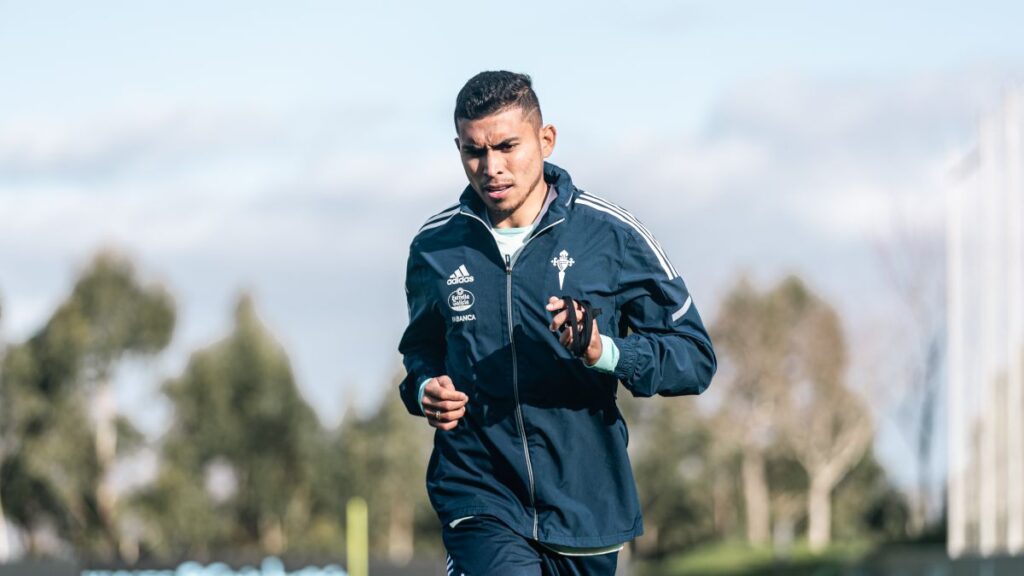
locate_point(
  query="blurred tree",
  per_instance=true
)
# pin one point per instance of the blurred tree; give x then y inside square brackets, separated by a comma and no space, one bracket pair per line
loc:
[826,426]
[750,337]
[239,459]
[670,449]
[913,264]
[866,502]
[33,393]
[785,404]
[5,551]
[120,317]
[47,385]
[383,458]
[788,483]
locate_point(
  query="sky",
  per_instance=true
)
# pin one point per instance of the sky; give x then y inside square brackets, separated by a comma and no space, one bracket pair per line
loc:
[291,150]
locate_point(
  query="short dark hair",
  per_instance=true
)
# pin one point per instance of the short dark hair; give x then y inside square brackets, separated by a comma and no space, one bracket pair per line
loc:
[488,93]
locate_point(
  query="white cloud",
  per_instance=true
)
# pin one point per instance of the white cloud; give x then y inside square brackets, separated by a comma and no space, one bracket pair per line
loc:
[838,157]
[145,136]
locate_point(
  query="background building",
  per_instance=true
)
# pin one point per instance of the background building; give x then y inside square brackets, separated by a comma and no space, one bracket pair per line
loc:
[986,339]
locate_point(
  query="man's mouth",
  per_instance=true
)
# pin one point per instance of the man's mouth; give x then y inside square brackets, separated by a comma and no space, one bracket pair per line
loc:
[497,191]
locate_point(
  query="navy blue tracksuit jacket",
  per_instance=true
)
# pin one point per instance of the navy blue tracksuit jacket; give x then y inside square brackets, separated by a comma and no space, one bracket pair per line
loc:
[542,446]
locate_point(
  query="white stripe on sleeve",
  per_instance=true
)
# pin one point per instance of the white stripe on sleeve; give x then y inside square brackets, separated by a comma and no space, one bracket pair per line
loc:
[682,311]
[669,271]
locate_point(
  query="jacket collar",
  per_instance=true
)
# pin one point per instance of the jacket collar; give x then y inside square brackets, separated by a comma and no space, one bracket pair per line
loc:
[554,175]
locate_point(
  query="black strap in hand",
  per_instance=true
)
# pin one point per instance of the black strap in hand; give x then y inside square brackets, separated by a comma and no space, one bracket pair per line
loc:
[580,336]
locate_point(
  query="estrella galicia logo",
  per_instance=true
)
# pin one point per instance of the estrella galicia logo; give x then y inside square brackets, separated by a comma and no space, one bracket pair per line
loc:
[461,300]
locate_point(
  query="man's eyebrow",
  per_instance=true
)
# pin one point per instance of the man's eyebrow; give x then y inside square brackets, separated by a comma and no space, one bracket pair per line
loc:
[506,142]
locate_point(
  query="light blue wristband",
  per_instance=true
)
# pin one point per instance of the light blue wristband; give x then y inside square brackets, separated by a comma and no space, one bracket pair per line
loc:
[609,356]
[423,388]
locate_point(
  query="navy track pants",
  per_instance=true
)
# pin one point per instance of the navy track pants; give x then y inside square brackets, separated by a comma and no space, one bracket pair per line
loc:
[484,546]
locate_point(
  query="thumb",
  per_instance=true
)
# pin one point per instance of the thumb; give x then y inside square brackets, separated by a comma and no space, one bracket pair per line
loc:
[446,383]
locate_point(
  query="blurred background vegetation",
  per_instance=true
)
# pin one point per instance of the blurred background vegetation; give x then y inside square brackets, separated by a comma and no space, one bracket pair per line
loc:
[775,468]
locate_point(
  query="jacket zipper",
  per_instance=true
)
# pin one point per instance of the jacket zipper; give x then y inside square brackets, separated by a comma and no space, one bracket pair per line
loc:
[515,367]
[515,392]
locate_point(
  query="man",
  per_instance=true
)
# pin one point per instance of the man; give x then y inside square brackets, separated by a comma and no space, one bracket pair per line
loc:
[529,472]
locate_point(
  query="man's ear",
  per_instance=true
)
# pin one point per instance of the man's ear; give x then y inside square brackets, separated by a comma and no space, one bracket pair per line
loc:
[458,145]
[548,135]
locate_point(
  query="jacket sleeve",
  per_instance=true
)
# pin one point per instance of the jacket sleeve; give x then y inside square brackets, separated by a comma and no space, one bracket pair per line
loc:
[423,343]
[666,350]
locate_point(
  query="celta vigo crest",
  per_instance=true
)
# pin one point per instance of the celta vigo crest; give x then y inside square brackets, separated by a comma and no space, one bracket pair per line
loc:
[562,262]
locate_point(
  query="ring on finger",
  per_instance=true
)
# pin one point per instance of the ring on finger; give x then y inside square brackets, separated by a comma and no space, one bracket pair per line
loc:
[437,414]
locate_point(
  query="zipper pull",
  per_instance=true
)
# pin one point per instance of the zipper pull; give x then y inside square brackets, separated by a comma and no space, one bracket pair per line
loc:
[508,264]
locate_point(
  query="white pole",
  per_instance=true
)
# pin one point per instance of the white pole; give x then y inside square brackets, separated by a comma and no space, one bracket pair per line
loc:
[1015,319]
[987,484]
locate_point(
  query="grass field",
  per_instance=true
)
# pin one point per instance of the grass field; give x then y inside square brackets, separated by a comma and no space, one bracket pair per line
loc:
[739,559]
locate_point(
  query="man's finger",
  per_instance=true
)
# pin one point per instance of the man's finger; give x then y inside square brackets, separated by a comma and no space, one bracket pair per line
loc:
[557,321]
[554,303]
[443,425]
[437,390]
[446,421]
[446,415]
[566,338]
[434,403]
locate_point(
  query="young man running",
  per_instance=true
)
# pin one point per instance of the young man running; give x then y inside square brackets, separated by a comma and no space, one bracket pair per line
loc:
[529,301]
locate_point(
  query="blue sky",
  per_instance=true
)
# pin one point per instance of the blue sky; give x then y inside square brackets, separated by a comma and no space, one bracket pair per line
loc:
[292,149]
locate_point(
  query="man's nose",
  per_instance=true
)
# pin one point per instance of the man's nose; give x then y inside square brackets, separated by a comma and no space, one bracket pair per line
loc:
[493,164]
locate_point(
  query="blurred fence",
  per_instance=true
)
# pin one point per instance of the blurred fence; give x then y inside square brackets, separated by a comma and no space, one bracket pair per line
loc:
[417,567]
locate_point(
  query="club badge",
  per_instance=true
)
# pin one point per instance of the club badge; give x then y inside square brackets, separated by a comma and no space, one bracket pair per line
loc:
[562,262]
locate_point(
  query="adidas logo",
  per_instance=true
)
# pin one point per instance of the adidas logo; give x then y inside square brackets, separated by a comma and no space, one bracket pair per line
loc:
[460,276]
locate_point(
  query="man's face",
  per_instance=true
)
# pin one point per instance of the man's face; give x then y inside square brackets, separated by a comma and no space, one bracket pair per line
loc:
[503,155]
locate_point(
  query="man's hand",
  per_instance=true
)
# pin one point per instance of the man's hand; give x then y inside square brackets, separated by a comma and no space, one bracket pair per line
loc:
[594,348]
[443,404]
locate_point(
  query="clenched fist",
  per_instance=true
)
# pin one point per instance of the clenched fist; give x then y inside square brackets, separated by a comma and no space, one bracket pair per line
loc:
[443,405]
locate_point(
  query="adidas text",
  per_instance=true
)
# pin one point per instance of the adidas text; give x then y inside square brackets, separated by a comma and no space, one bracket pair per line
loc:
[460,276]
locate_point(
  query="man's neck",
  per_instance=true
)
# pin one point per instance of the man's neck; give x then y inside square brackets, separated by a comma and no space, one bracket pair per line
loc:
[527,213]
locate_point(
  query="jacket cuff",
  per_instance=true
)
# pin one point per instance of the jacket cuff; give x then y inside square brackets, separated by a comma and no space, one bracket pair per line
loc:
[627,359]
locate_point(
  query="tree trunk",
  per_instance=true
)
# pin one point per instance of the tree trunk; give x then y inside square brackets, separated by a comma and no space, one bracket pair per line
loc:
[5,551]
[755,495]
[819,512]
[647,545]
[724,508]
[272,537]
[32,542]
[926,425]
[106,449]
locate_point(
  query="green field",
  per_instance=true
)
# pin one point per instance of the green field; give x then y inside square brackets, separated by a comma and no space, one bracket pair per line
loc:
[739,559]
